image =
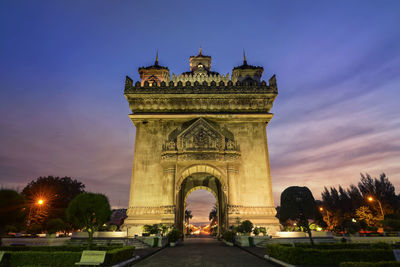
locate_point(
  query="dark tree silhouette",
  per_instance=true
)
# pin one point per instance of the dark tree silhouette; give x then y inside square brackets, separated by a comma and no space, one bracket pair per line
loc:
[89,211]
[340,205]
[12,209]
[213,214]
[188,216]
[298,204]
[56,192]
[380,189]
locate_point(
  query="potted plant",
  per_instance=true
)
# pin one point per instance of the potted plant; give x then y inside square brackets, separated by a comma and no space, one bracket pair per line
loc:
[173,236]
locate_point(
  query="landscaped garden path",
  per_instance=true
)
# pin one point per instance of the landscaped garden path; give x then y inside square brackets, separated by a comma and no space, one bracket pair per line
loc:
[203,252]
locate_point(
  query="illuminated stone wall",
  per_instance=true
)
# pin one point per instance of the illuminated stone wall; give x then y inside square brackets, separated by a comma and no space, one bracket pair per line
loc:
[208,129]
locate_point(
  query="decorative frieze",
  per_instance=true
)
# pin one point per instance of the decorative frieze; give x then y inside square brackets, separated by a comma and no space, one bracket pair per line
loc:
[251,210]
[150,210]
[200,141]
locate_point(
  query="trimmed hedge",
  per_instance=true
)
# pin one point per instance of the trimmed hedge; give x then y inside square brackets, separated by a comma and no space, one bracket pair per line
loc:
[42,258]
[48,258]
[118,255]
[379,245]
[371,264]
[305,256]
[56,248]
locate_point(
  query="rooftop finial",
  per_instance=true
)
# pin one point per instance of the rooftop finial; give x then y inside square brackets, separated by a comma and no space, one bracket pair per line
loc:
[156,62]
[200,51]
[244,58]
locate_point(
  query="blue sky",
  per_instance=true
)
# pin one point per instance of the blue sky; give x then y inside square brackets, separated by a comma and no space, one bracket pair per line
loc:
[63,64]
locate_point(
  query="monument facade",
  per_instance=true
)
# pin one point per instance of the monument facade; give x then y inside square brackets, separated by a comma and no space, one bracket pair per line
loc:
[200,130]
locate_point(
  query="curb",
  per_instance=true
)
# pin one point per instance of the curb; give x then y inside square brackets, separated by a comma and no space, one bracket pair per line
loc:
[121,264]
[266,257]
[146,256]
[137,258]
[281,263]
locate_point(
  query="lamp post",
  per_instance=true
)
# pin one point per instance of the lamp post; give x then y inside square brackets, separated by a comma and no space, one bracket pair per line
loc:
[370,199]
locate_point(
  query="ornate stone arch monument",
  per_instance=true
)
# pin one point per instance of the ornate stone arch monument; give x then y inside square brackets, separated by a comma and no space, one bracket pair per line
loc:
[200,130]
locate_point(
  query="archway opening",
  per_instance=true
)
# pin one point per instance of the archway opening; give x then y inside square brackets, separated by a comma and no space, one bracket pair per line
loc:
[201,212]
[201,181]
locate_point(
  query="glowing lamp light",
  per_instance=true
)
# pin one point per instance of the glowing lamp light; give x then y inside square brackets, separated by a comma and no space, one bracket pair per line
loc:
[40,202]
[321,208]
[370,199]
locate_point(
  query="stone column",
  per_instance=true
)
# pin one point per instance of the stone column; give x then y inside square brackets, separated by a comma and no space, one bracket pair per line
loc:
[168,184]
[233,184]
[233,197]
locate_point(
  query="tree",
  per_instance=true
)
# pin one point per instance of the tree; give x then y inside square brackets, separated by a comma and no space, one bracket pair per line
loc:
[245,227]
[298,204]
[188,216]
[55,192]
[381,190]
[340,205]
[12,209]
[213,214]
[55,225]
[363,213]
[89,211]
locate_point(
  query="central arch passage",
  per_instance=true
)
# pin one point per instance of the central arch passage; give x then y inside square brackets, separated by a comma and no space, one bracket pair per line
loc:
[201,181]
[200,202]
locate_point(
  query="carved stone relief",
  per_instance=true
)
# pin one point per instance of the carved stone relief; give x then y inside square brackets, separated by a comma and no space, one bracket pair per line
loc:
[200,141]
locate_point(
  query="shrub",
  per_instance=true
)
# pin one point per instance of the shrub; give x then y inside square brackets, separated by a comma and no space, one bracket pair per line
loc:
[51,258]
[42,258]
[304,256]
[379,245]
[371,264]
[71,248]
[55,225]
[245,227]
[117,255]
[263,230]
[10,228]
[229,236]
[174,235]
[256,231]
[391,224]
[34,229]
[152,229]
[112,227]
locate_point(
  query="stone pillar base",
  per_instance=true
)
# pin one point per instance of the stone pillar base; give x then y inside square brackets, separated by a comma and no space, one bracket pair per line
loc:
[134,224]
[259,216]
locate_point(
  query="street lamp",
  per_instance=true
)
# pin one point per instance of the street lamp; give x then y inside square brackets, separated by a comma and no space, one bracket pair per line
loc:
[370,199]
[39,202]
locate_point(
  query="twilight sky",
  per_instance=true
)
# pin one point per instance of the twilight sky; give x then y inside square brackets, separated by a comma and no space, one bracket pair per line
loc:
[63,65]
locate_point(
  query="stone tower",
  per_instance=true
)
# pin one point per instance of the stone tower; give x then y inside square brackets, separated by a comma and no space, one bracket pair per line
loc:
[200,130]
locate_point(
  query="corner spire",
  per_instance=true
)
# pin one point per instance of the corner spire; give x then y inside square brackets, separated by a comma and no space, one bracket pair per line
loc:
[200,51]
[244,58]
[156,62]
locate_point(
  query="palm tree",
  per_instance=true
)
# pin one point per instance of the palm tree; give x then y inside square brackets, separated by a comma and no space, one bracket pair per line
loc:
[213,213]
[188,215]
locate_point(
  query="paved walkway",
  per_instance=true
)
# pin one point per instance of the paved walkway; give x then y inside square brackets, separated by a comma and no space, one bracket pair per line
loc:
[202,252]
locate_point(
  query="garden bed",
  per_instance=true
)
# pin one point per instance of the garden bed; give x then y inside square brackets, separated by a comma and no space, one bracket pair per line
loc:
[324,255]
[59,256]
